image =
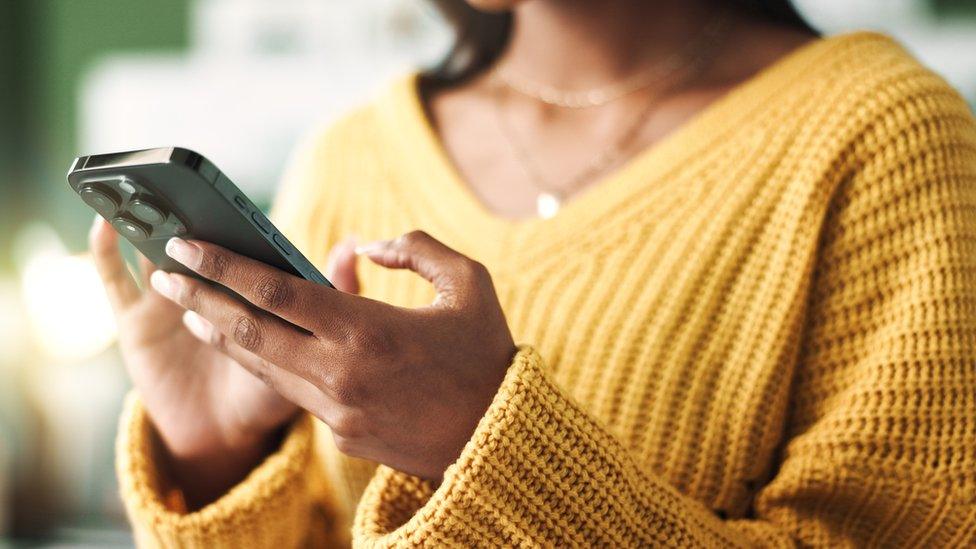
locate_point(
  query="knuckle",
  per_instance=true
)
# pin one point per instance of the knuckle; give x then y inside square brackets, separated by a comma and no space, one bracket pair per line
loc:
[263,373]
[98,247]
[344,444]
[371,341]
[475,270]
[348,424]
[272,292]
[345,388]
[214,265]
[247,334]
[414,237]
[218,340]
[471,272]
[114,277]
[190,295]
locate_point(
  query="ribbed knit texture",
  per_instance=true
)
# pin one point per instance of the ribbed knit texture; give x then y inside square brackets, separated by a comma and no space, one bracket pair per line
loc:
[760,331]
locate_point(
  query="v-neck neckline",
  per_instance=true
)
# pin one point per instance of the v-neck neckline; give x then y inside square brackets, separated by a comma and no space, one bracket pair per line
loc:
[455,212]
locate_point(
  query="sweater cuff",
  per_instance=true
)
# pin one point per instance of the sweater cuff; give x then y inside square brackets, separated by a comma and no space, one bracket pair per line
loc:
[251,514]
[469,506]
[538,471]
[509,483]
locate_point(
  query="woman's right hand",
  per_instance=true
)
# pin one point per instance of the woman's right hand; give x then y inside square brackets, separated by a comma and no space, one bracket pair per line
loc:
[215,420]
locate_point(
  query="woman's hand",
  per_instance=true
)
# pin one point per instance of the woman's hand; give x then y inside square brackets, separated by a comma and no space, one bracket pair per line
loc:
[216,421]
[403,387]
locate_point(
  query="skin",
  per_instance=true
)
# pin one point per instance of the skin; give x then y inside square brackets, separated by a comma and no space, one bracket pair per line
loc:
[404,387]
[580,45]
[220,379]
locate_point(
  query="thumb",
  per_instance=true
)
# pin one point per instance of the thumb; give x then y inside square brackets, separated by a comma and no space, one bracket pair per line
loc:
[448,270]
[340,268]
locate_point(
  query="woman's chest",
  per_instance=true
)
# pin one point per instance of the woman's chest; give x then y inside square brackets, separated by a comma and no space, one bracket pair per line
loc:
[673,319]
[685,286]
[676,332]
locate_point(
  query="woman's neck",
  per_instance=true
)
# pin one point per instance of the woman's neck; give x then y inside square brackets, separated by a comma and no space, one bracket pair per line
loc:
[579,44]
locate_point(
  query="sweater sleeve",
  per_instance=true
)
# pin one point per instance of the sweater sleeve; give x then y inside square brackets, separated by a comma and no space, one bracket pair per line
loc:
[879,447]
[275,506]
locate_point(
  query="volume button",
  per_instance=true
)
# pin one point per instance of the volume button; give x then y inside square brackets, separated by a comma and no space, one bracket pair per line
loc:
[208,170]
[281,243]
[260,222]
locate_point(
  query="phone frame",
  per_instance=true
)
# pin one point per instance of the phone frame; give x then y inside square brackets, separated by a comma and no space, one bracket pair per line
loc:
[129,169]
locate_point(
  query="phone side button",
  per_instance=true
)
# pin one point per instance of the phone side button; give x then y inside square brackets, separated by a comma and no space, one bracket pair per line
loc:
[282,243]
[315,276]
[241,203]
[260,222]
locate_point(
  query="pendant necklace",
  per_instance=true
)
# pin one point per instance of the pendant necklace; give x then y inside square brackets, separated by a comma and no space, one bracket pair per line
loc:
[549,197]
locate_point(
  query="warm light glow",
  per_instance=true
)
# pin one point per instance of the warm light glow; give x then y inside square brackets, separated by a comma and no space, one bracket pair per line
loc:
[66,305]
[13,331]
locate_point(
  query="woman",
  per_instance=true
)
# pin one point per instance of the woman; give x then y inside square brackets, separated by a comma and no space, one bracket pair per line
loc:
[738,259]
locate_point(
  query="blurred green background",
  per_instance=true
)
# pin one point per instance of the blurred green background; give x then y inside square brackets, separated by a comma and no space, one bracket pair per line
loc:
[47,45]
[240,81]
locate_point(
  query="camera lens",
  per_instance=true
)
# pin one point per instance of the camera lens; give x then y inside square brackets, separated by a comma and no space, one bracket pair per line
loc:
[103,201]
[131,229]
[146,211]
[127,187]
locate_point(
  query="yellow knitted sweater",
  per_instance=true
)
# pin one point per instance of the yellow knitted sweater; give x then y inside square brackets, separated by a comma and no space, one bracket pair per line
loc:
[760,331]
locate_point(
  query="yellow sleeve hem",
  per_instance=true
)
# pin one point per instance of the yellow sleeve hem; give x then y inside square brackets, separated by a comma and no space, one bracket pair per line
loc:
[269,508]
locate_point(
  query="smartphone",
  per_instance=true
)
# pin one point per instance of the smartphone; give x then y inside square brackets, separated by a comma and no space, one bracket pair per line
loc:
[152,195]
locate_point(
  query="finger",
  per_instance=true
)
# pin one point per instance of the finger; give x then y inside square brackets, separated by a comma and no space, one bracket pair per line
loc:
[159,302]
[254,330]
[287,384]
[294,299]
[146,269]
[340,267]
[119,285]
[448,270]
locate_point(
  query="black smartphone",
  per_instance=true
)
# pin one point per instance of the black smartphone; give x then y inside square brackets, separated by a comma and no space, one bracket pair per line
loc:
[152,195]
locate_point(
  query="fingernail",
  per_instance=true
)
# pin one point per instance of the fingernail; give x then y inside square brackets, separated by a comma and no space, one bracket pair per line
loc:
[163,283]
[197,325]
[184,252]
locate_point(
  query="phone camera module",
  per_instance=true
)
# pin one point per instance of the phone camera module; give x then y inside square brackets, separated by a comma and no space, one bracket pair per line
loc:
[131,229]
[146,211]
[127,187]
[104,201]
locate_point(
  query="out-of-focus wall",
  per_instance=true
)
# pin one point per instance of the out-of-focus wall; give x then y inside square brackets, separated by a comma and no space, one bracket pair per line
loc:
[941,33]
[61,39]
[13,119]
[256,77]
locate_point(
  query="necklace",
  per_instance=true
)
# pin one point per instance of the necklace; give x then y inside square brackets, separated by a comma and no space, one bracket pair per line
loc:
[596,97]
[549,198]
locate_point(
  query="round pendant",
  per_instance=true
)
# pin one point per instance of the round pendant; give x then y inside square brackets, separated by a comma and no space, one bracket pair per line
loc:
[547,205]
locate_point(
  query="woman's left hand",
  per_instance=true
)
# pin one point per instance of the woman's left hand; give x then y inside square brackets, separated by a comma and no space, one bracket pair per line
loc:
[403,387]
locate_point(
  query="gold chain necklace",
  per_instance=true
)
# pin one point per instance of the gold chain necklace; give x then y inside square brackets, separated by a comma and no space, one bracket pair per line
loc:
[596,97]
[549,198]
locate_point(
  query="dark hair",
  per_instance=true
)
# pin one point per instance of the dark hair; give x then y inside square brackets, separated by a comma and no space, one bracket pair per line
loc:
[480,36]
